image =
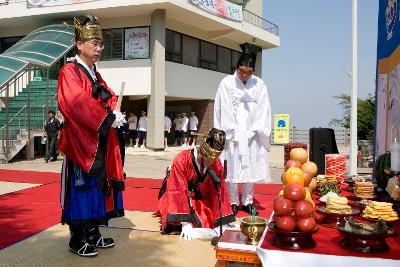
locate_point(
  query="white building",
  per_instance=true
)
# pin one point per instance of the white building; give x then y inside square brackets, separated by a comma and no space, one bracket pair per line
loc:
[171,54]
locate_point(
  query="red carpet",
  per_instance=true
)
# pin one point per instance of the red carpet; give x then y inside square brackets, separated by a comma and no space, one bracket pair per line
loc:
[30,211]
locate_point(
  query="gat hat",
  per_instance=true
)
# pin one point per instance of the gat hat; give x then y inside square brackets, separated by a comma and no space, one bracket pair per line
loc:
[86,27]
[249,55]
[213,144]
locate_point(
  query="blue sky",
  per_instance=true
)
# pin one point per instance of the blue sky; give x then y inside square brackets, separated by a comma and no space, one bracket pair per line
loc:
[307,69]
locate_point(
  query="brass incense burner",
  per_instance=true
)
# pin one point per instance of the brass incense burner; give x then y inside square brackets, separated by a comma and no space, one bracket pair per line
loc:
[253,227]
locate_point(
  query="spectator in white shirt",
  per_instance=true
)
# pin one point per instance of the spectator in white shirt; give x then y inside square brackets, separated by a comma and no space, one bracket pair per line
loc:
[193,122]
[178,126]
[132,127]
[142,133]
[184,129]
[167,128]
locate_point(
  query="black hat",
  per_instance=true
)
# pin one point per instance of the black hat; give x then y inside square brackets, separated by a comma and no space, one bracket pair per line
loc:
[249,55]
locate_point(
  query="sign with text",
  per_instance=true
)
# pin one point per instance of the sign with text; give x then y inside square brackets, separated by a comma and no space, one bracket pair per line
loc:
[45,3]
[137,43]
[281,128]
[221,8]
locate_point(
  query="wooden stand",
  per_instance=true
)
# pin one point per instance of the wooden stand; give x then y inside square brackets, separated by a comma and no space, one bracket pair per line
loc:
[373,243]
[292,240]
[332,220]
[237,251]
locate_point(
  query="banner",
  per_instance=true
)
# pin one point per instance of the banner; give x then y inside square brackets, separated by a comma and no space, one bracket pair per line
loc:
[221,8]
[47,3]
[137,42]
[281,128]
[387,94]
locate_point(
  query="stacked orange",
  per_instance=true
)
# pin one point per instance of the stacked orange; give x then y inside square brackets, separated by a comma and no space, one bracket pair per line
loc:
[294,206]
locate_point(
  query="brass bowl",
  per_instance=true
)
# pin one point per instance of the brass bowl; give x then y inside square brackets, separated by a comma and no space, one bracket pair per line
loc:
[252,228]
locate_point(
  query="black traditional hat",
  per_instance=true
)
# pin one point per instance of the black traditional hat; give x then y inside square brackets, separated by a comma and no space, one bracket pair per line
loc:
[249,55]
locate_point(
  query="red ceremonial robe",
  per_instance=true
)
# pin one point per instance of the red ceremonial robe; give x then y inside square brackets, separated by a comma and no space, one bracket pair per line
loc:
[87,137]
[177,205]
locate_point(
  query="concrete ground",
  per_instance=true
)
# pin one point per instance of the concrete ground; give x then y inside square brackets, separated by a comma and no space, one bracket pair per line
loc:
[143,163]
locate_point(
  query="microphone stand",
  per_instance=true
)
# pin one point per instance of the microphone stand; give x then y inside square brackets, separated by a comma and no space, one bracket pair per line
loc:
[215,240]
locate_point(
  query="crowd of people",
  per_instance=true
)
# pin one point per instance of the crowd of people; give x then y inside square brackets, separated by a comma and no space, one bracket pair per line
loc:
[200,190]
[185,129]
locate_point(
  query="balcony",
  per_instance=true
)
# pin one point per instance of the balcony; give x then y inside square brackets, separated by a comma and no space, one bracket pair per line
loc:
[247,16]
[260,22]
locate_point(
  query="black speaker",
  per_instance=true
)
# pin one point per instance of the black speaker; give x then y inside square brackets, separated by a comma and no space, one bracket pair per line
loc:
[322,141]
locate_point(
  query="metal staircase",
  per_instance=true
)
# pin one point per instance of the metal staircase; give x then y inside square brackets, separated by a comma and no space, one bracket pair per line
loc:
[27,109]
[28,84]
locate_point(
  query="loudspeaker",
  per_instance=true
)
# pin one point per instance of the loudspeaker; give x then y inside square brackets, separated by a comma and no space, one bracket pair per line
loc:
[322,141]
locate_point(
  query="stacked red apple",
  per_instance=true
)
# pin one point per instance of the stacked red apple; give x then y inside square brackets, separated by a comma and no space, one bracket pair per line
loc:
[292,210]
[294,206]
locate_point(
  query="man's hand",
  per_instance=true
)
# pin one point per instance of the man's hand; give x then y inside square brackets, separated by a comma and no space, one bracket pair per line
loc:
[187,231]
[119,119]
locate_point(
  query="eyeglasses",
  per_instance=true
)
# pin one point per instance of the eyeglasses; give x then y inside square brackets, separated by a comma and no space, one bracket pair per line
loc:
[97,44]
[243,71]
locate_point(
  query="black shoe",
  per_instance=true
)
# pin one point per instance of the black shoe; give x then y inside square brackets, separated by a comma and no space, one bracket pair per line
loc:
[83,249]
[235,209]
[100,241]
[46,160]
[53,159]
[249,208]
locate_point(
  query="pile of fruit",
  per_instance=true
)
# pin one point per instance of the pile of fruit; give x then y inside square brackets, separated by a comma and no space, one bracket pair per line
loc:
[294,206]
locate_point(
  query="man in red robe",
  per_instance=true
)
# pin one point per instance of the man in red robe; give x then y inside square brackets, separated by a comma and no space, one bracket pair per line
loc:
[191,191]
[92,174]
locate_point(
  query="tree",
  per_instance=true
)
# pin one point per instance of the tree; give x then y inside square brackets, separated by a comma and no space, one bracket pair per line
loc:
[365,115]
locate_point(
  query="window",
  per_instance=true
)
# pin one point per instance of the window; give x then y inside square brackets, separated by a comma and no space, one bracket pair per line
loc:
[190,51]
[113,45]
[7,42]
[173,46]
[224,60]
[235,59]
[208,56]
[137,42]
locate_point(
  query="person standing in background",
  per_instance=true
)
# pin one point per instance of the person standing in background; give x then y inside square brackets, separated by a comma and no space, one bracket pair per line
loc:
[132,127]
[51,129]
[142,133]
[193,122]
[167,128]
[178,126]
[184,129]
[243,111]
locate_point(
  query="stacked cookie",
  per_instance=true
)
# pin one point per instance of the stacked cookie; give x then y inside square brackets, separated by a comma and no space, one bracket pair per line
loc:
[364,190]
[337,205]
[322,179]
[380,210]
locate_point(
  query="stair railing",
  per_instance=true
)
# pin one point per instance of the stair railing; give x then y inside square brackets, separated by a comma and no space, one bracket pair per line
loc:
[10,130]
[52,104]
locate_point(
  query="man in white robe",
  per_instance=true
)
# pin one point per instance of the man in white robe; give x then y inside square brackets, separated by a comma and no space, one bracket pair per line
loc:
[243,111]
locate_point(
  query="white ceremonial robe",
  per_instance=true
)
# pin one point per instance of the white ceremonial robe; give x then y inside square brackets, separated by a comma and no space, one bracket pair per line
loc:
[244,113]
